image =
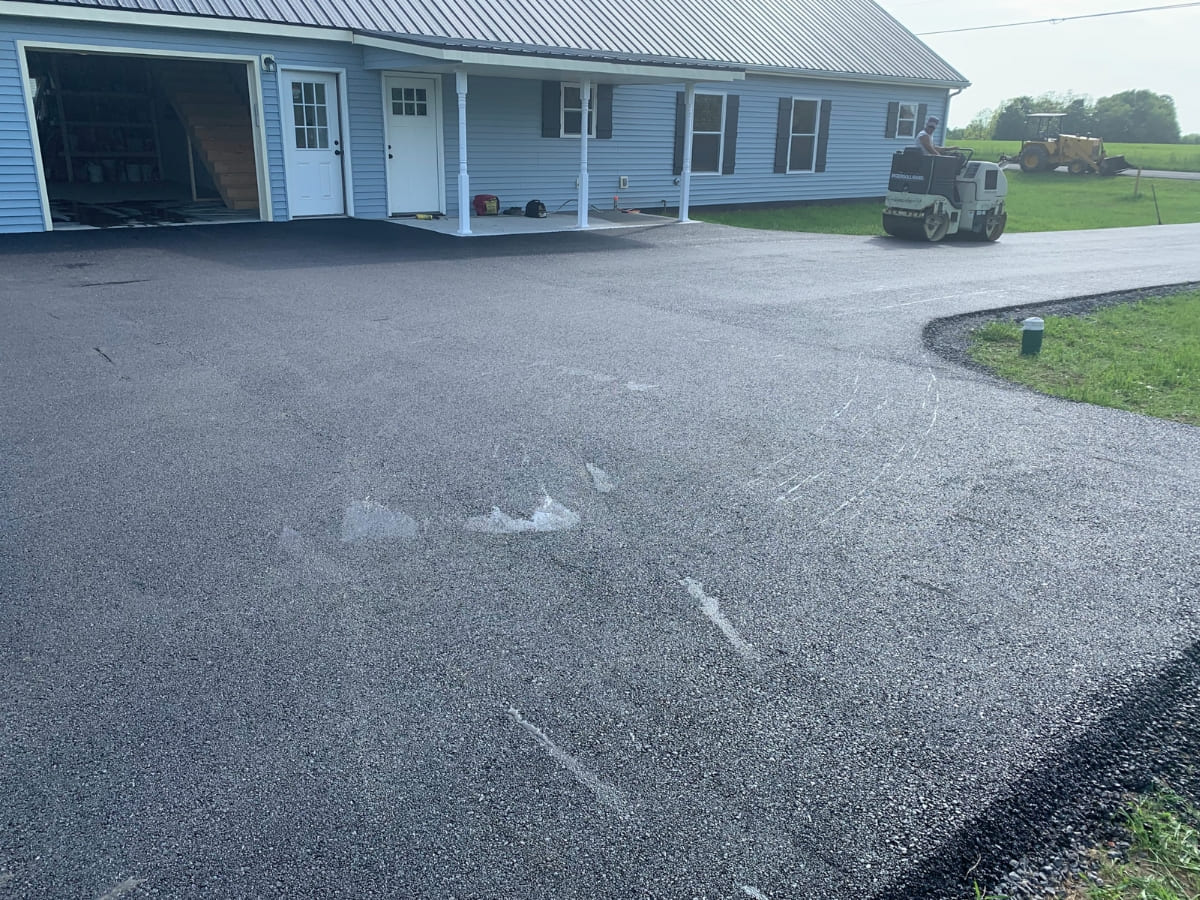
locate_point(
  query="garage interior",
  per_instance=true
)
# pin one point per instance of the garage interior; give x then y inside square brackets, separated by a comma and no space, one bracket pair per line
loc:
[136,141]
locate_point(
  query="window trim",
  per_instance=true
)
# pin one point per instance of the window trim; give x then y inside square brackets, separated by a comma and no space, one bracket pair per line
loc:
[720,133]
[916,114]
[815,135]
[562,110]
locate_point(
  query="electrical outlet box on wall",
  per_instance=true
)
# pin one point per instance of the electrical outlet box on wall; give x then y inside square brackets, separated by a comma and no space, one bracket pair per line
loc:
[622,182]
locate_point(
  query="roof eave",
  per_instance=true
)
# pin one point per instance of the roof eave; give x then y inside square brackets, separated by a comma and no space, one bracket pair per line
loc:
[867,78]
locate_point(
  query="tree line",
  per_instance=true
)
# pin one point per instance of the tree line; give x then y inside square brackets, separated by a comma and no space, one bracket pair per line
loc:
[1142,117]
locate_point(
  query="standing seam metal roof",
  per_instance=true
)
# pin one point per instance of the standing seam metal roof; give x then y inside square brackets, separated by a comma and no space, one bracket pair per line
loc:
[851,37]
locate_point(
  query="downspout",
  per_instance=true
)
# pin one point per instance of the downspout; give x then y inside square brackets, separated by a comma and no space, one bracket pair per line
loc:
[946,111]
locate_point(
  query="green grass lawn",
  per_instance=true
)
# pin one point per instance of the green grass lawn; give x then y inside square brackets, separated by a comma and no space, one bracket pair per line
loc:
[1143,357]
[1169,157]
[1035,203]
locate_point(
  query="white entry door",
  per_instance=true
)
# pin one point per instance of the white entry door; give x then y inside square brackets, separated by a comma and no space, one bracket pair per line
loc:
[313,141]
[413,144]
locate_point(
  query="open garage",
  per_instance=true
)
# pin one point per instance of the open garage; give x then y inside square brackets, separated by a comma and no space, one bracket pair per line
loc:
[143,140]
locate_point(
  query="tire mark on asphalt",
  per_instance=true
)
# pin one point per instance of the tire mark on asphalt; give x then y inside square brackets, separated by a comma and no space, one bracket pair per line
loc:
[711,607]
[932,395]
[805,475]
[605,793]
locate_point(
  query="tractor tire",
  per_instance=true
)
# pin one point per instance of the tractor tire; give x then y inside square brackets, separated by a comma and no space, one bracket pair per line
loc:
[1078,167]
[1035,159]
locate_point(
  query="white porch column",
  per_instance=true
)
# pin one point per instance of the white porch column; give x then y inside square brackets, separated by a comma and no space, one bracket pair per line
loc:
[585,95]
[464,180]
[685,177]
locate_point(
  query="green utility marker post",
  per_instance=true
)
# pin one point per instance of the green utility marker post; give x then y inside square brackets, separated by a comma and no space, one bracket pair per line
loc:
[1031,336]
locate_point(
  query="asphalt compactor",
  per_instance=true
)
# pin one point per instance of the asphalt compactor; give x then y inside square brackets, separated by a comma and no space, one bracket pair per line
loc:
[932,197]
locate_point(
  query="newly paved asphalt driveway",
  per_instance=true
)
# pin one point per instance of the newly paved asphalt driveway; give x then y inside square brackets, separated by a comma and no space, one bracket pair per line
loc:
[278,619]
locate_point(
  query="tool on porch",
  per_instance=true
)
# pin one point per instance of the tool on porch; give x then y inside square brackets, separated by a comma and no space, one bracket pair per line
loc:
[486,204]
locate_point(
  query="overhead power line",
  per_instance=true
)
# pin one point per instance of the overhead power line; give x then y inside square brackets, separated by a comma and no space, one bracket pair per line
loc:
[1116,12]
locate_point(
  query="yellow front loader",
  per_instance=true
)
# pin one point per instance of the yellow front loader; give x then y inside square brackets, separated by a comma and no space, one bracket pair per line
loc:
[1045,148]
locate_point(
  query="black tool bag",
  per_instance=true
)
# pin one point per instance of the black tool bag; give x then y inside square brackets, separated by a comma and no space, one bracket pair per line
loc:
[535,209]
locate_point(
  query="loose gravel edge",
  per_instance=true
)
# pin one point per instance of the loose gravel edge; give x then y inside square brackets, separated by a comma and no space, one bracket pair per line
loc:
[1045,828]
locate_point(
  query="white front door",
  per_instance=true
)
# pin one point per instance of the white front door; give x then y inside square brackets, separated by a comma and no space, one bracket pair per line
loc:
[312,139]
[413,144]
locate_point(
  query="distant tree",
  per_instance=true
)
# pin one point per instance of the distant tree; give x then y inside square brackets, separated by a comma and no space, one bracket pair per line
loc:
[1138,117]
[978,129]
[1080,118]
[1190,139]
[1009,122]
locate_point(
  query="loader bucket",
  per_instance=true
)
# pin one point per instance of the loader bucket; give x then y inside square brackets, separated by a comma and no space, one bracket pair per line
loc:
[1111,165]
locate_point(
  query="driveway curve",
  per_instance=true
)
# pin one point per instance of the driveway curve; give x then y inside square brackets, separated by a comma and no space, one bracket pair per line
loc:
[347,561]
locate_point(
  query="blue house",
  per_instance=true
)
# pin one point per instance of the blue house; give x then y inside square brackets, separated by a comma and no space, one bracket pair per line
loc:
[193,110]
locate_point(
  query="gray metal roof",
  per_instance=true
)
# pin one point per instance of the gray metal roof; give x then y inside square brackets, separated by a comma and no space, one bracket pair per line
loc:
[846,37]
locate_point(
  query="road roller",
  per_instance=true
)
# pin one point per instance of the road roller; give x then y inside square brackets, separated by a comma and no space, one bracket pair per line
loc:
[933,197]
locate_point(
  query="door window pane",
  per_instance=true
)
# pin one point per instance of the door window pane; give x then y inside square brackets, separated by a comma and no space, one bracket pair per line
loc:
[410,102]
[311,115]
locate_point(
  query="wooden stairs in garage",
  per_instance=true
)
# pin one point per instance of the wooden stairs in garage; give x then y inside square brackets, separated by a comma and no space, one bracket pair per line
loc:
[212,103]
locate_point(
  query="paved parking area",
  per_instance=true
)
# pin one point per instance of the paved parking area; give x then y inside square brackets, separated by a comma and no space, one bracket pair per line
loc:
[344,560]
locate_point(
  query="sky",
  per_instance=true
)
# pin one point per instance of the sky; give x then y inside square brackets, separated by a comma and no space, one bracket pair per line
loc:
[1157,51]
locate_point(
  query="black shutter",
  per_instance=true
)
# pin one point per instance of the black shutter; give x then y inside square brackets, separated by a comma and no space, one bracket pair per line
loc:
[680,121]
[730,137]
[783,134]
[604,95]
[893,120]
[551,109]
[823,135]
[922,112]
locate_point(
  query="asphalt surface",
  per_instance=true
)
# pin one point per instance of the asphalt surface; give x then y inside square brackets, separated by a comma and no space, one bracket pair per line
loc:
[287,612]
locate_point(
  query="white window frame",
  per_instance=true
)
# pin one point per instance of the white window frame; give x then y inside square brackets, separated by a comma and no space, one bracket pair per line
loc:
[719,133]
[900,119]
[563,109]
[815,134]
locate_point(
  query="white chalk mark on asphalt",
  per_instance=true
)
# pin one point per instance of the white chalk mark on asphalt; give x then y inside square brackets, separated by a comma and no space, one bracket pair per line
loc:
[122,889]
[640,388]
[550,515]
[605,793]
[601,480]
[366,520]
[712,608]
[751,891]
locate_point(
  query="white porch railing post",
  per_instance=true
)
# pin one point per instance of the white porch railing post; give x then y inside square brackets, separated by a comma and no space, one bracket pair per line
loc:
[585,97]
[685,177]
[464,179]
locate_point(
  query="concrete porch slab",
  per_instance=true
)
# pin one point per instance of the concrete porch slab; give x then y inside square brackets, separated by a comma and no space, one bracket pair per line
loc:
[491,226]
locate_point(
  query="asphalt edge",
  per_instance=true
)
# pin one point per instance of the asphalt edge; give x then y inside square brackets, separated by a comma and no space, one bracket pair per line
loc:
[1039,831]
[1041,828]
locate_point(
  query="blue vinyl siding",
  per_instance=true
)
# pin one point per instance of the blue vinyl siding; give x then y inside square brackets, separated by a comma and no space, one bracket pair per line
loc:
[509,157]
[20,202]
